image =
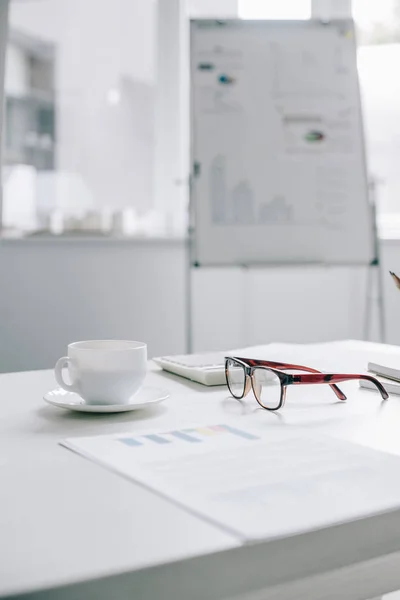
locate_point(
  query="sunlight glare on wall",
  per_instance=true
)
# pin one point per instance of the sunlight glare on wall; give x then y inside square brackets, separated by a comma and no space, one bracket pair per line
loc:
[270,9]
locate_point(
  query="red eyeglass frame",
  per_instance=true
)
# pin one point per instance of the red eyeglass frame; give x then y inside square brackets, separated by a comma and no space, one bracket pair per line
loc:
[315,377]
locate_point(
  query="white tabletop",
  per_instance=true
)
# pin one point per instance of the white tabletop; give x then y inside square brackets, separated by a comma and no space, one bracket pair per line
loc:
[65,520]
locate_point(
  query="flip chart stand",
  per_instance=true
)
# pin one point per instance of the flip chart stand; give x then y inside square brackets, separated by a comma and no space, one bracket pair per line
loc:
[375,278]
[374,294]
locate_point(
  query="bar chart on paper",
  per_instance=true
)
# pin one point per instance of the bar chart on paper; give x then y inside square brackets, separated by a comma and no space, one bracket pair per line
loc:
[192,435]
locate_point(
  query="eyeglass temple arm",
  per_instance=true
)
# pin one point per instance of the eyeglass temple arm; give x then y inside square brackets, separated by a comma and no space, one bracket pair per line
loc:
[286,366]
[332,377]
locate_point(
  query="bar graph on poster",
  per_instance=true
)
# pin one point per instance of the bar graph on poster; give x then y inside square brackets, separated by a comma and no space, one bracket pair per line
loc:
[277,144]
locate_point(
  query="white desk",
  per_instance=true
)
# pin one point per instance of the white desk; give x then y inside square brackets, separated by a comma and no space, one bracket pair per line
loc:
[64,520]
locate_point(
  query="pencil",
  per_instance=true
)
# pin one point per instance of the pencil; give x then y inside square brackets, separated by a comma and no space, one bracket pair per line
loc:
[395,279]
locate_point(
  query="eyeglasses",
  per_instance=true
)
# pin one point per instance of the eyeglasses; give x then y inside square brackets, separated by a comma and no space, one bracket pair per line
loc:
[269,382]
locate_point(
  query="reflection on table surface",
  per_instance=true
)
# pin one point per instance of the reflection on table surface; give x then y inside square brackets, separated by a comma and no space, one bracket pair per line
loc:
[392,596]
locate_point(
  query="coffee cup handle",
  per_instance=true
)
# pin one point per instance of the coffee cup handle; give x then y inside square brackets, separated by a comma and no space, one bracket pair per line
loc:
[58,372]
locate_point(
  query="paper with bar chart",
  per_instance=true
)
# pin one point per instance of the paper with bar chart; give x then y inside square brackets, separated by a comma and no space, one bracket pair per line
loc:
[256,484]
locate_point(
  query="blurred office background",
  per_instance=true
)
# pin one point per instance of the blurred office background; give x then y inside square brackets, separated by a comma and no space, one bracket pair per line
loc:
[95,194]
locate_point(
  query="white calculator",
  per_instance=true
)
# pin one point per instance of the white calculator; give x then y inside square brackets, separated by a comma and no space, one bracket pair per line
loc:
[208,369]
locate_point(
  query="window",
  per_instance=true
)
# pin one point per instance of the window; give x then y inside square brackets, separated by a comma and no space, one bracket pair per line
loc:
[270,9]
[79,101]
[203,9]
[378,26]
[378,22]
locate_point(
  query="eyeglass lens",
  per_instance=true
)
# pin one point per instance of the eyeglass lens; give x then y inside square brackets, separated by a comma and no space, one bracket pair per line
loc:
[267,388]
[236,378]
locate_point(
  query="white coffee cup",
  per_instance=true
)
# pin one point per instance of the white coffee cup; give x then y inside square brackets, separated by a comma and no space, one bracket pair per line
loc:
[104,371]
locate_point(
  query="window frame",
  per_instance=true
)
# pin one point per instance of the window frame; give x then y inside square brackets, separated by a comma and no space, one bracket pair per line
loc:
[4,14]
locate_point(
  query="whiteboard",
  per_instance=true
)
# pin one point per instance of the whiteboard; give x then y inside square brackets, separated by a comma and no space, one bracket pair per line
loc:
[279,173]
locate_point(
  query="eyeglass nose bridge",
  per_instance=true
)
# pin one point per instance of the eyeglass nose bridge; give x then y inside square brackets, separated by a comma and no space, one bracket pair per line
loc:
[248,382]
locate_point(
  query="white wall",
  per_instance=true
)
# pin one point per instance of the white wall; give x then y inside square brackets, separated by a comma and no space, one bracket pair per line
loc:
[101,46]
[171,168]
[55,292]
[201,9]
[17,73]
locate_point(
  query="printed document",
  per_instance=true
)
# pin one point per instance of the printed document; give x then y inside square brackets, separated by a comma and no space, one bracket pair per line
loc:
[255,485]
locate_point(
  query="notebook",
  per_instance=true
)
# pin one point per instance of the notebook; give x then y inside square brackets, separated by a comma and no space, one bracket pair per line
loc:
[383,371]
[391,386]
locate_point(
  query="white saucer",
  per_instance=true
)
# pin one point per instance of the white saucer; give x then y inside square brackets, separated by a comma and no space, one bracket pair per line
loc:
[145,397]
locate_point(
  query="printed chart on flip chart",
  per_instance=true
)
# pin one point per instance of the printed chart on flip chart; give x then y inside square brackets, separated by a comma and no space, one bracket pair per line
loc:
[255,483]
[277,144]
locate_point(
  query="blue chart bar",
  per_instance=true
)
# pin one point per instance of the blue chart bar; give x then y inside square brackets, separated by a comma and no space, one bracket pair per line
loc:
[158,439]
[184,436]
[130,442]
[239,433]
